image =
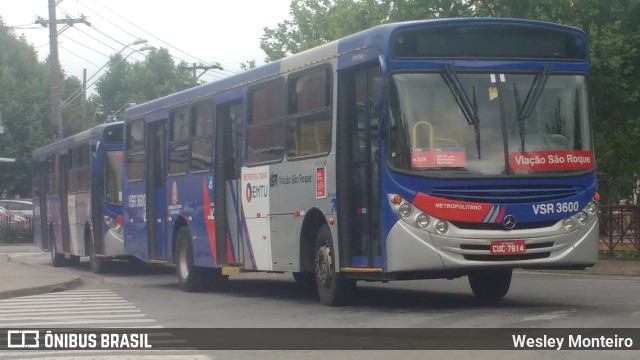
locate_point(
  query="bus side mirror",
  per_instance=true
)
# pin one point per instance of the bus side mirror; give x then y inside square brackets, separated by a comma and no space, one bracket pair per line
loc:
[376,92]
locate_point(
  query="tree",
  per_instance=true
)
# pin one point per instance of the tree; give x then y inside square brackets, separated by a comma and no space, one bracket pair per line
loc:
[155,77]
[25,105]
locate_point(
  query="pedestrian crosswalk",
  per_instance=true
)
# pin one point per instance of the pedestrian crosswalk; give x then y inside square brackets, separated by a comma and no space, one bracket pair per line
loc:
[75,308]
[87,308]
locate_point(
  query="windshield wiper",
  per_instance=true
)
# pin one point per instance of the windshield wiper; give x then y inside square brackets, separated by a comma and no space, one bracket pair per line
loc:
[525,110]
[469,108]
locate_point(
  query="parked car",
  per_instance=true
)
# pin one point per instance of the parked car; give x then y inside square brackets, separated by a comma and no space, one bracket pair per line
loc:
[22,207]
[9,220]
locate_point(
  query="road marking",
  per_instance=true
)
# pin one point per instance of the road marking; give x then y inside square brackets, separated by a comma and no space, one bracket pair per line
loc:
[66,310]
[93,321]
[97,308]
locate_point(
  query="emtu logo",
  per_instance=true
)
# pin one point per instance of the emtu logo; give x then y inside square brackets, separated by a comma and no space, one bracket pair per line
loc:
[249,192]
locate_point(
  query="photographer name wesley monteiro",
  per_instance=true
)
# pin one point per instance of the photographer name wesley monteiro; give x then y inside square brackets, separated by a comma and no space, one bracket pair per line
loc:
[572,342]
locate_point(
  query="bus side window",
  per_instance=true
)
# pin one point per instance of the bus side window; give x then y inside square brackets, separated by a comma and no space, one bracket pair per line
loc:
[265,133]
[309,124]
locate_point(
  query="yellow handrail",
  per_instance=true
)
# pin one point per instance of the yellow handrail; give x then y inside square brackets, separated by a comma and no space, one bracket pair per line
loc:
[414,133]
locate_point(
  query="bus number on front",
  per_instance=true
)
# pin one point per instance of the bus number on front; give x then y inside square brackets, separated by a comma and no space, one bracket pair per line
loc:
[555,208]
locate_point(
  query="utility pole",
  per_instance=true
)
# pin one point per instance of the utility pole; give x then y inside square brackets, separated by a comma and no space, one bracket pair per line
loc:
[202,67]
[54,63]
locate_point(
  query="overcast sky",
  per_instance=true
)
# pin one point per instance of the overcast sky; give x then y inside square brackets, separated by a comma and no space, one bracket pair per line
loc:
[201,31]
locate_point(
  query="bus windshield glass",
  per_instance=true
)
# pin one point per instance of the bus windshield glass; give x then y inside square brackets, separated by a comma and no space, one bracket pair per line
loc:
[113,178]
[489,124]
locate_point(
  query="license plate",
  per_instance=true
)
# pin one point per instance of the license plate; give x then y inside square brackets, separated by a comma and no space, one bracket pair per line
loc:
[508,247]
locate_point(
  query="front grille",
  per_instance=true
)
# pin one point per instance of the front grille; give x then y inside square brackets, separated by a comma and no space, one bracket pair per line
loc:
[492,226]
[505,194]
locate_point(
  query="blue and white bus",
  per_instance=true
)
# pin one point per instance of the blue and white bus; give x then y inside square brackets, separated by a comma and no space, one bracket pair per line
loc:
[427,149]
[77,197]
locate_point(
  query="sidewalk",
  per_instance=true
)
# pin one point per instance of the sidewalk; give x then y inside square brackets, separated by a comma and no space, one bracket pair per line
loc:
[20,279]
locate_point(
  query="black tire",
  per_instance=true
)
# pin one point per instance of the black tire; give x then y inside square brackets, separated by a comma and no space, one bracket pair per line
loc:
[194,278]
[57,260]
[490,285]
[333,287]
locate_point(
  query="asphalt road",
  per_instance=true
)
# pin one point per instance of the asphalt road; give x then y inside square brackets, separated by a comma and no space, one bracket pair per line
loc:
[536,300]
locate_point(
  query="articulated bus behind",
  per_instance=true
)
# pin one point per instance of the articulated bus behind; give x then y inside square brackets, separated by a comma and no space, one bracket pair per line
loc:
[426,149]
[77,197]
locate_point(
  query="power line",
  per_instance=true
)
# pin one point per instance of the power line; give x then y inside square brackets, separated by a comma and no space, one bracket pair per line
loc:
[79,43]
[155,37]
[105,19]
[69,51]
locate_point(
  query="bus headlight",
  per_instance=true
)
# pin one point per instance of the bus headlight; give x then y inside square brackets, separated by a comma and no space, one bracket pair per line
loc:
[592,208]
[422,220]
[442,227]
[582,217]
[405,210]
[569,224]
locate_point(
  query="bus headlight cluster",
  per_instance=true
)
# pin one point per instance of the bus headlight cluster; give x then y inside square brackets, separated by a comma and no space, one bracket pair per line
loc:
[582,217]
[409,213]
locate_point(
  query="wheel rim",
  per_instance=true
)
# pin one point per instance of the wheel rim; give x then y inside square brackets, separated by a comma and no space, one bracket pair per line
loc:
[323,266]
[183,266]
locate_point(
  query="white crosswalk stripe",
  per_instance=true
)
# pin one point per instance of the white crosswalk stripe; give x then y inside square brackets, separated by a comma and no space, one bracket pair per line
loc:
[78,309]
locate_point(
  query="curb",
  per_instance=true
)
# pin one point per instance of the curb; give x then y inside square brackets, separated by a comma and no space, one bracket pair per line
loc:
[44,289]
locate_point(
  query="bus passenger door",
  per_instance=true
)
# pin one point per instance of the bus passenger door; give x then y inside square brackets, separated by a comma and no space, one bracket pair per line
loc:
[358,186]
[228,204]
[155,180]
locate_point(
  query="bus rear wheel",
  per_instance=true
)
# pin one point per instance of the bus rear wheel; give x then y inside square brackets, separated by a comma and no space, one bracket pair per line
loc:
[490,285]
[334,288]
[193,278]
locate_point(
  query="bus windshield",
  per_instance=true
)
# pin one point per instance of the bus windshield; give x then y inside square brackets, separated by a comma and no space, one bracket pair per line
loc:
[113,178]
[489,123]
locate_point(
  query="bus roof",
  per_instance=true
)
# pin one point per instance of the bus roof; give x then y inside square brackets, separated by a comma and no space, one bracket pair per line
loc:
[367,44]
[69,142]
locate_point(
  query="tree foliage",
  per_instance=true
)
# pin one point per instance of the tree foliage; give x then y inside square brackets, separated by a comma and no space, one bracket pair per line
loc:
[126,83]
[24,102]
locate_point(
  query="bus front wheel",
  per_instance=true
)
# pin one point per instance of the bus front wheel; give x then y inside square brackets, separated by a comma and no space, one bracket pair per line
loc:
[490,285]
[334,288]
